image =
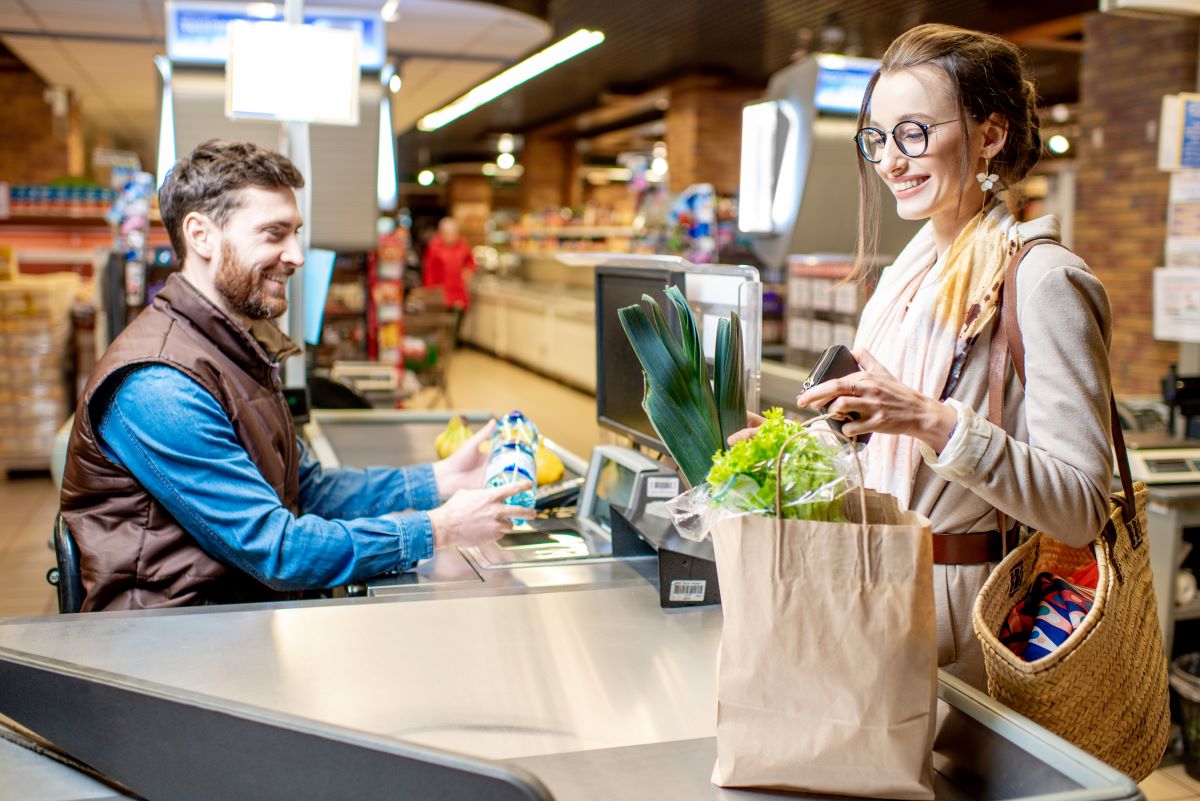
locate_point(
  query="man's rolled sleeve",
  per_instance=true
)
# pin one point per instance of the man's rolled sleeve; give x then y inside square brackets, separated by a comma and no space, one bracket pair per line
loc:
[422,486]
[414,531]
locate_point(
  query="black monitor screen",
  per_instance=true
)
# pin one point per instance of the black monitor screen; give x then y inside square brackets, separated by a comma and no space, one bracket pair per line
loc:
[619,382]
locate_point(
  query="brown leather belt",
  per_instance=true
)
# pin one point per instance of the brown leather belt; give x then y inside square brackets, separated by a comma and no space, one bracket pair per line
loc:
[971,549]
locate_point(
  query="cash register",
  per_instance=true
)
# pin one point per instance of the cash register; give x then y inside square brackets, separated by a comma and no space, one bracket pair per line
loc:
[1164,457]
[621,512]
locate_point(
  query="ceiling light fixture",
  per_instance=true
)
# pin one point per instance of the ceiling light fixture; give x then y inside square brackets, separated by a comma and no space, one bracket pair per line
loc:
[425,177]
[578,42]
[505,161]
[390,11]
[1059,144]
[394,83]
[262,10]
[505,143]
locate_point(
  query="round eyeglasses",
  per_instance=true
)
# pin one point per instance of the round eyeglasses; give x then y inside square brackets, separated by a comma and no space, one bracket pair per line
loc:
[910,136]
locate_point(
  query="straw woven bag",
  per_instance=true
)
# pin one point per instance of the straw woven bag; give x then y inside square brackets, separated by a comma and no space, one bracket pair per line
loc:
[1105,688]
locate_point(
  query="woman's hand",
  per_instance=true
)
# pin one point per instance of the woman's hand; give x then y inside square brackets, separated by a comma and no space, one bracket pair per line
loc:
[884,405]
[753,421]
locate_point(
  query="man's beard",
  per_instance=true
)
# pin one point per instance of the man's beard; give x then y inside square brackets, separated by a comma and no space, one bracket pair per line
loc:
[242,288]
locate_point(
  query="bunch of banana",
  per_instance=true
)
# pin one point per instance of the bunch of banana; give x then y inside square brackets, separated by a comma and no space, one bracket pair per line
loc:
[452,437]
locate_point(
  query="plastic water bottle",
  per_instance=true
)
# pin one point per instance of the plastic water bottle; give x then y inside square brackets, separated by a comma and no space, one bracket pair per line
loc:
[514,443]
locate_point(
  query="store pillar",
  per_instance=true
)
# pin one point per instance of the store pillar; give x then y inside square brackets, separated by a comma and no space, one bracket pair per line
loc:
[470,201]
[704,133]
[546,183]
[1129,63]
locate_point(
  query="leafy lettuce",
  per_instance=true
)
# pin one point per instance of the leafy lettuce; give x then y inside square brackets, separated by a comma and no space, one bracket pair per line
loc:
[744,476]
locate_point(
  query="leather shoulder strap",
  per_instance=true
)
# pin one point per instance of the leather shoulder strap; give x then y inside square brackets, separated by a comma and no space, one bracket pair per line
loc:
[1006,340]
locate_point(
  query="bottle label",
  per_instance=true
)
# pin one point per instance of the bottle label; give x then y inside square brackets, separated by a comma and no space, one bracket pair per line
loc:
[509,464]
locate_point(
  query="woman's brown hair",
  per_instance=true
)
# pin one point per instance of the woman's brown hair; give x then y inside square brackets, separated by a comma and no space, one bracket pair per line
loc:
[988,76]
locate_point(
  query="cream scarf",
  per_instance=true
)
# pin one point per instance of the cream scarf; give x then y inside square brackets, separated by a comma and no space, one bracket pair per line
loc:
[922,320]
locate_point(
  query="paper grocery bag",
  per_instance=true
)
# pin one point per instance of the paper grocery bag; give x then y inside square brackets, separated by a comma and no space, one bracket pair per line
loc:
[827,671]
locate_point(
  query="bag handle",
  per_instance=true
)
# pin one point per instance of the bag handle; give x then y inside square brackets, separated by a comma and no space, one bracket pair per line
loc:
[1006,341]
[864,527]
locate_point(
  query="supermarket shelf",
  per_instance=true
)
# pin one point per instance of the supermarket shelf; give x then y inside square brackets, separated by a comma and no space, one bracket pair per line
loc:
[81,218]
[58,255]
[577,232]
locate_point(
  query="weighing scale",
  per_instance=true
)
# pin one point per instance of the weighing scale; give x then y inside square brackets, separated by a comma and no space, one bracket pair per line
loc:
[1157,458]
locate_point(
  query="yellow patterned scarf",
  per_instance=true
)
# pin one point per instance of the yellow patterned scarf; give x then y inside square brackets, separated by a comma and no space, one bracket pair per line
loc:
[922,320]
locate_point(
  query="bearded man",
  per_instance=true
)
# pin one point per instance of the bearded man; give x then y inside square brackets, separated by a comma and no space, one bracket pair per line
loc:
[185,481]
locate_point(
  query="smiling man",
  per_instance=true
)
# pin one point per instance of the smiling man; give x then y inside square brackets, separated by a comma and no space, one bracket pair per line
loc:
[185,482]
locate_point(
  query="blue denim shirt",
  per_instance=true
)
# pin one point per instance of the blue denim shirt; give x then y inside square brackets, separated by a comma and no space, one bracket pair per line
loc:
[177,441]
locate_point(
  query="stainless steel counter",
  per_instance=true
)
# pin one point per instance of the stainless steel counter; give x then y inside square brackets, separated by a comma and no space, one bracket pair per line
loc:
[361,438]
[593,693]
[29,776]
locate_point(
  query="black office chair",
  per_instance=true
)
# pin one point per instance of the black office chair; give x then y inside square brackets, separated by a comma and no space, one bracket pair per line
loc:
[65,575]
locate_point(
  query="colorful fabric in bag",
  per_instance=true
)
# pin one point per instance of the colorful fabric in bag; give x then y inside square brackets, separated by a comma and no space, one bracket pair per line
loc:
[1054,608]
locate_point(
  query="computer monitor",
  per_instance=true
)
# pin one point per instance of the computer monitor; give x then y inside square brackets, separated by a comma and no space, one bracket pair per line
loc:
[318,273]
[712,292]
[620,384]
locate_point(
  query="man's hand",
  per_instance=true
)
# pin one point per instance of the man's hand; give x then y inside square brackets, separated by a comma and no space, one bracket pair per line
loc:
[464,469]
[476,516]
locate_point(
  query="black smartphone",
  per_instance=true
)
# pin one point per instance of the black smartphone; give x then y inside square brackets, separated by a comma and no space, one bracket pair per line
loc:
[835,362]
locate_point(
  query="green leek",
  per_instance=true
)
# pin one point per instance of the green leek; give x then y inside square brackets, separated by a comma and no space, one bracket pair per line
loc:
[691,417]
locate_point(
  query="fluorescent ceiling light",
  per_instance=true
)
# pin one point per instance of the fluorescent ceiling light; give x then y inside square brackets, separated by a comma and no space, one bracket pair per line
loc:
[262,10]
[390,11]
[583,39]
[386,184]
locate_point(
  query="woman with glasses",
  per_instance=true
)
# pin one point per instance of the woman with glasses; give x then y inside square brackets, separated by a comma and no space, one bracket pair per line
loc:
[948,126]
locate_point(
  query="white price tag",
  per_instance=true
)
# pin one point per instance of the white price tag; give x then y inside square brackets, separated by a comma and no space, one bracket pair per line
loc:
[685,591]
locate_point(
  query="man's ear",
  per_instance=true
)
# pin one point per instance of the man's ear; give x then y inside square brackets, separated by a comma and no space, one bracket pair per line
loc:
[201,235]
[995,133]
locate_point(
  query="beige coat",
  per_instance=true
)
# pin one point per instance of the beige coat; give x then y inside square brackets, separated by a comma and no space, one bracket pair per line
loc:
[1052,469]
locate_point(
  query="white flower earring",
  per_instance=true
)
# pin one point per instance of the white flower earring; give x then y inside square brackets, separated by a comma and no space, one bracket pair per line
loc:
[986,180]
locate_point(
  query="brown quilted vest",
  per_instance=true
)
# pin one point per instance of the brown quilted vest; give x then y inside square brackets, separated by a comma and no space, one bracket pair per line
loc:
[133,554]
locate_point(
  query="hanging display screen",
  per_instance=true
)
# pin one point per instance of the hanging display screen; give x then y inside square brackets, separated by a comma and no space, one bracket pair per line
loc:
[841,90]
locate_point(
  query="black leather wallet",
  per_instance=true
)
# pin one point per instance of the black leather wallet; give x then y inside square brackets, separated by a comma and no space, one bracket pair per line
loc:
[835,362]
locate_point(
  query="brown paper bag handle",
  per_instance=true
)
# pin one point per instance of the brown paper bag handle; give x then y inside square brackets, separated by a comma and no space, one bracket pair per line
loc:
[862,498]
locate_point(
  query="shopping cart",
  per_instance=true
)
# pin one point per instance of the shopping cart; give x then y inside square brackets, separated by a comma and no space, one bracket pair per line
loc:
[427,318]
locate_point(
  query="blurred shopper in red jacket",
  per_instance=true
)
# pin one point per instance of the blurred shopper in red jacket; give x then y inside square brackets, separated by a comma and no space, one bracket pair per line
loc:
[447,261]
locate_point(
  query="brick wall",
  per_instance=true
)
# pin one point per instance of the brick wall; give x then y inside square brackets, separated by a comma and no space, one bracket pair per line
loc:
[545,183]
[30,150]
[1121,198]
[704,133]
[470,201]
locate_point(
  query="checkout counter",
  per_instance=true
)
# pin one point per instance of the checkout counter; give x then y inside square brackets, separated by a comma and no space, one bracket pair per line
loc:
[523,690]
[589,693]
[556,664]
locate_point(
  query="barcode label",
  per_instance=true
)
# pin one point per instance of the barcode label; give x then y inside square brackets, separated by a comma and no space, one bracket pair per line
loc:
[662,487]
[687,591]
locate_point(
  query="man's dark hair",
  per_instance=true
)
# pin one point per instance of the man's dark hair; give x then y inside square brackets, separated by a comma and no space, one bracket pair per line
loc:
[206,179]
